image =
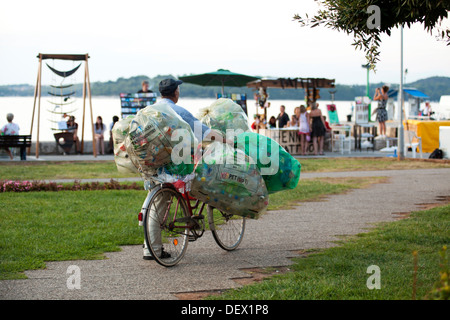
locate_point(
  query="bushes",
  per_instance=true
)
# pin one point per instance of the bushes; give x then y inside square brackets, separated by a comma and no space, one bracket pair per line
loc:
[28,186]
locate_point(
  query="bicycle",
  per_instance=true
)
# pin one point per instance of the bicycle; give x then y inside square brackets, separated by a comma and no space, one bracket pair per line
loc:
[171,221]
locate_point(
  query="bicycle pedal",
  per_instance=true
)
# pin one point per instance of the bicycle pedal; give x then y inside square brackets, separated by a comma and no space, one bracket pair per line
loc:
[190,221]
[191,238]
[198,217]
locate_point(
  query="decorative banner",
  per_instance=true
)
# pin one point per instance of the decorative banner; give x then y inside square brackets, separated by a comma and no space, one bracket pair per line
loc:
[332,114]
[240,99]
[362,110]
[131,103]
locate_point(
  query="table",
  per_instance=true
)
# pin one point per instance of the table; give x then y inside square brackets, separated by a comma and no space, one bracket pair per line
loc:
[369,129]
[427,130]
[342,132]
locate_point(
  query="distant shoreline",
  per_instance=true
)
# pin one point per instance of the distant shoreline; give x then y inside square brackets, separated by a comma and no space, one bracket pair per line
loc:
[434,87]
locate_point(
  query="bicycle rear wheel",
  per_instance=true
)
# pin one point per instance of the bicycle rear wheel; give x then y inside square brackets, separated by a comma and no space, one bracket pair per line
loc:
[227,229]
[166,226]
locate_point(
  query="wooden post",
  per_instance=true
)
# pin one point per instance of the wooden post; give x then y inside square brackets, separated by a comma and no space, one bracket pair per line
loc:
[36,88]
[39,106]
[84,108]
[94,150]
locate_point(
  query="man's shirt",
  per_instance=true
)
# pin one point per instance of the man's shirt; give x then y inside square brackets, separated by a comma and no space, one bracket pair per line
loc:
[190,119]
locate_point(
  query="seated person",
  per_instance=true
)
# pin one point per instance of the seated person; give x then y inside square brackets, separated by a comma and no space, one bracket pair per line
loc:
[255,124]
[272,122]
[10,129]
[72,127]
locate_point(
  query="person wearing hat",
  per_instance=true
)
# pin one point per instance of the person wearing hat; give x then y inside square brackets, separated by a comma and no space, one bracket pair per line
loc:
[170,93]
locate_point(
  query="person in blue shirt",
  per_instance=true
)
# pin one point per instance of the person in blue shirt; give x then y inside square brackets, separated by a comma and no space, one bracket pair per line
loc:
[170,93]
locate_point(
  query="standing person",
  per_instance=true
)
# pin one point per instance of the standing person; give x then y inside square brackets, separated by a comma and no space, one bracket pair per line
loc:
[282,118]
[145,86]
[427,109]
[317,128]
[99,129]
[303,128]
[10,129]
[111,142]
[382,115]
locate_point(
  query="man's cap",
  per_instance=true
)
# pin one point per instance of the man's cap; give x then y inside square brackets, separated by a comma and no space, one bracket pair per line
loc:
[168,86]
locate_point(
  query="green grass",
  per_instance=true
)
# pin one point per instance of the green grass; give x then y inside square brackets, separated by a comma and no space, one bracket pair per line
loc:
[341,272]
[365,164]
[54,226]
[50,170]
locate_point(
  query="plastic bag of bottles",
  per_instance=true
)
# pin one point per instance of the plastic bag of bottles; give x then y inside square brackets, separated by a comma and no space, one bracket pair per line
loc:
[227,180]
[279,169]
[224,114]
[159,137]
[121,158]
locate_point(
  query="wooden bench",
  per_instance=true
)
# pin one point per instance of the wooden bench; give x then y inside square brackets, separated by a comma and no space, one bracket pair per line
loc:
[21,142]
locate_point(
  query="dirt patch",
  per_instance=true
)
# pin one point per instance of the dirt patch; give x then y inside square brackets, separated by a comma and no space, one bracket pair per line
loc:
[254,275]
[259,274]
[401,215]
[442,200]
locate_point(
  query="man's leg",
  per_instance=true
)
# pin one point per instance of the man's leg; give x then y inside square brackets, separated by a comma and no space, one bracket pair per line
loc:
[157,211]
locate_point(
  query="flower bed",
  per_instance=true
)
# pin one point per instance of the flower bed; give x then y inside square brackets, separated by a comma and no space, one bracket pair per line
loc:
[28,186]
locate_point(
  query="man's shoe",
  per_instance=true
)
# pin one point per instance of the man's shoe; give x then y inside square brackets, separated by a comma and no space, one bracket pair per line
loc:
[164,255]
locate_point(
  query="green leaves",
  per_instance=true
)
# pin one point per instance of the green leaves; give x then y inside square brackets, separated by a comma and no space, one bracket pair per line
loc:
[351,16]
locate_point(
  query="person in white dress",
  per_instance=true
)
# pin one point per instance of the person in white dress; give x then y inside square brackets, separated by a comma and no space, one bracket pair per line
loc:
[304,128]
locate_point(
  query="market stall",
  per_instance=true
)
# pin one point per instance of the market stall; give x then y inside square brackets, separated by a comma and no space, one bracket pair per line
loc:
[288,138]
[428,131]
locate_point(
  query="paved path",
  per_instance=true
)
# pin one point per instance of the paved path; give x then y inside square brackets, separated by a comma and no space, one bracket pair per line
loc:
[269,241]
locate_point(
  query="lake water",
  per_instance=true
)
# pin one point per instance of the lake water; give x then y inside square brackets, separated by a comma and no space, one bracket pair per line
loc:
[107,107]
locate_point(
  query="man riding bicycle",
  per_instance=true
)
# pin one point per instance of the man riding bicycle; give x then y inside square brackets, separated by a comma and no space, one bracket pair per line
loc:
[170,93]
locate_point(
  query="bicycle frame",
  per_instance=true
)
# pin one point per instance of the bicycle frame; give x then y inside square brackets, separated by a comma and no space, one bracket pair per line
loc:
[185,196]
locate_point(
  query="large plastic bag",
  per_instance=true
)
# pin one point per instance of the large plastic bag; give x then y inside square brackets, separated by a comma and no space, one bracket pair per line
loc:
[224,114]
[159,137]
[119,132]
[279,169]
[227,180]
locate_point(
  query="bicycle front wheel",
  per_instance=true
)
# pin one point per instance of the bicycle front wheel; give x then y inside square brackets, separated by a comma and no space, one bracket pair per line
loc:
[227,229]
[165,226]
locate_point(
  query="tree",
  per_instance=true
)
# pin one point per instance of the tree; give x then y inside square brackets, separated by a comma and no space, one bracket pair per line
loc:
[368,19]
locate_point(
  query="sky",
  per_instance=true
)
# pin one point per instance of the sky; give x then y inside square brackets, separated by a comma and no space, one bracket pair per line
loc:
[178,37]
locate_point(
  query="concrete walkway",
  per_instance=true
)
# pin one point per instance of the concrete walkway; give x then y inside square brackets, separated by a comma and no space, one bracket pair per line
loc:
[269,241]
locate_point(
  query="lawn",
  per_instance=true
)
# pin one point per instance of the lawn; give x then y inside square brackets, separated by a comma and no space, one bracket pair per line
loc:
[65,225]
[52,170]
[341,273]
[366,164]
[49,170]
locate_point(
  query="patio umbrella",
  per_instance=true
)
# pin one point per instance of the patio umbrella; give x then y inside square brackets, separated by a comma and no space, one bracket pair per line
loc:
[221,78]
